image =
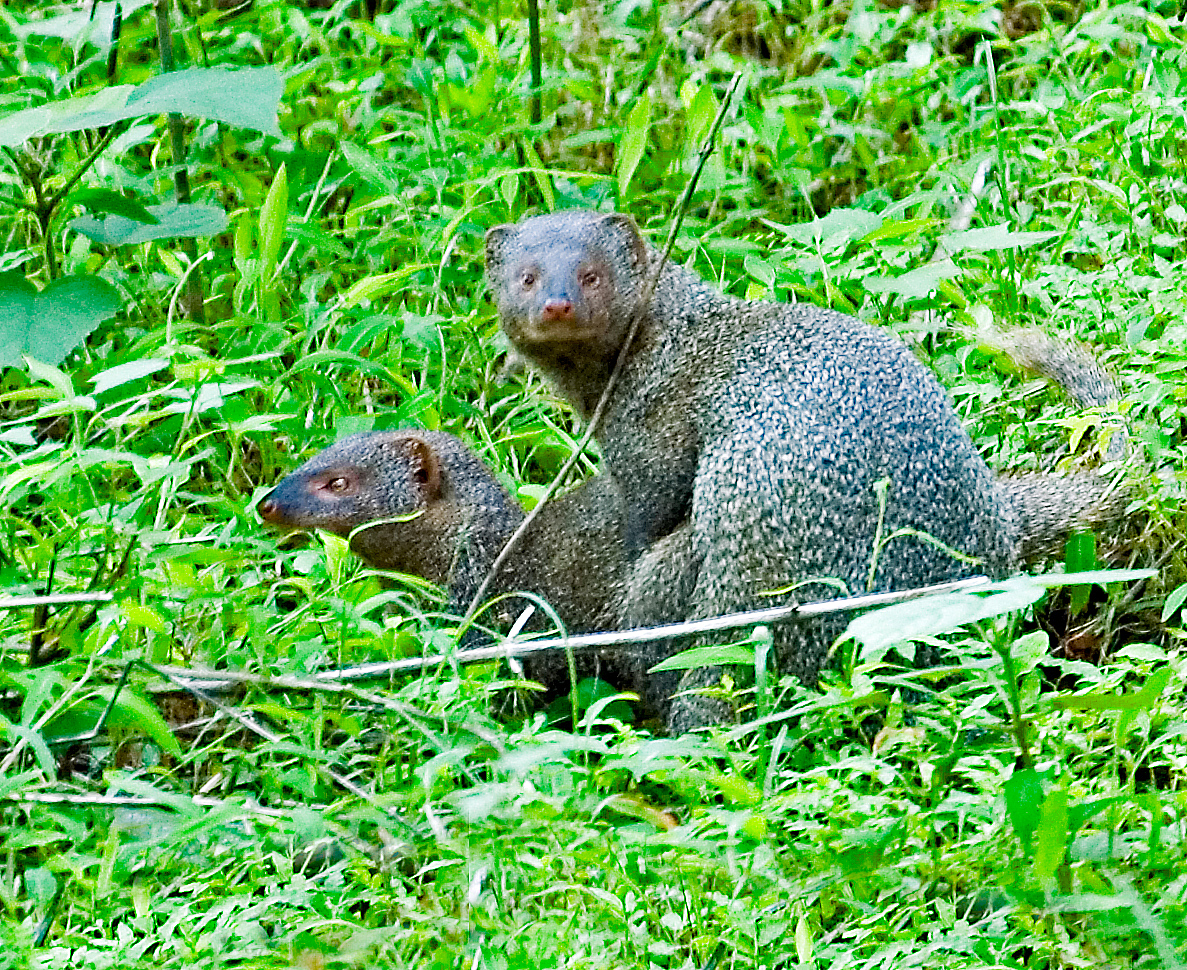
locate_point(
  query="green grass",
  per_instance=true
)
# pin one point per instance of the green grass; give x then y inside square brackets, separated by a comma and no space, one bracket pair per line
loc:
[891,818]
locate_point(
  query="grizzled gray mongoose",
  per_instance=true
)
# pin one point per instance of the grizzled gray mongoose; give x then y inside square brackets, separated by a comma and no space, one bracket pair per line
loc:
[455,519]
[803,446]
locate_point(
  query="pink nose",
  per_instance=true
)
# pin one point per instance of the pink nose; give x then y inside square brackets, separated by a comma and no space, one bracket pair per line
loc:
[557,308]
[266,508]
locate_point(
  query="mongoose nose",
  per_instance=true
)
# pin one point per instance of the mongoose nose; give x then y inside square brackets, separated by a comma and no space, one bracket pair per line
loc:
[267,508]
[557,308]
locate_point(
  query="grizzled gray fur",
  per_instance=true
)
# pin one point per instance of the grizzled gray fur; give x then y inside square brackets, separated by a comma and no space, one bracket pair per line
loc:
[458,518]
[800,443]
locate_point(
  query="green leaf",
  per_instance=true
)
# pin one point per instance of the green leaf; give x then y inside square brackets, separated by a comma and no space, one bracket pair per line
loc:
[173,220]
[121,374]
[1101,576]
[1051,834]
[702,110]
[931,615]
[897,228]
[144,616]
[364,163]
[1024,796]
[373,287]
[633,143]
[707,657]
[803,940]
[105,200]
[134,713]
[1030,650]
[248,98]
[835,230]
[1141,700]
[540,174]
[1080,556]
[914,285]
[18,732]
[994,237]
[49,324]
[1174,602]
[272,219]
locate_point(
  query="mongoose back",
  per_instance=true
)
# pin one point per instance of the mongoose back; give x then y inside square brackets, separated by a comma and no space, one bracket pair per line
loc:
[809,451]
[453,518]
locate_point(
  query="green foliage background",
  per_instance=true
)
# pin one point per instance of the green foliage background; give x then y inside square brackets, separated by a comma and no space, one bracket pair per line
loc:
[1025,811]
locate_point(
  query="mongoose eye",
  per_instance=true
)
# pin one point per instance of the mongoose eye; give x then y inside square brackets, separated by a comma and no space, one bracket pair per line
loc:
[590,280]
[528,279]
[338,484]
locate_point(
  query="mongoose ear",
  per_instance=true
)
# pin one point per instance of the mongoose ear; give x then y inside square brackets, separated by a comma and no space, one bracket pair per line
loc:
[426,466]
[627,233]
[496,245]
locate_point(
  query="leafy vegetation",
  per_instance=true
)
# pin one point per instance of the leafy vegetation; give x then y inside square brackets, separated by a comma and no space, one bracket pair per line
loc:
[172,346]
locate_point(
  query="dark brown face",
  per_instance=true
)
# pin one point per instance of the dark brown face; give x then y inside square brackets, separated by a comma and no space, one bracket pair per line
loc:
[360,479]
[331,499]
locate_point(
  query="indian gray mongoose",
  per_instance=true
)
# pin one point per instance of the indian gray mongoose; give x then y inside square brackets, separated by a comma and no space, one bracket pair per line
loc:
[455,519]
[809,452]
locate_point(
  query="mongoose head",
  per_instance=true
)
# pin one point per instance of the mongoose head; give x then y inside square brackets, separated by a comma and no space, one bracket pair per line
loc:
[570,277]
[363,477]
[417,491]
[405,499]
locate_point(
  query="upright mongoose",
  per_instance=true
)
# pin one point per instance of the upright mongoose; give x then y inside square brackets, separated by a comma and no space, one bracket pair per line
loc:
[803,446]
[422,503]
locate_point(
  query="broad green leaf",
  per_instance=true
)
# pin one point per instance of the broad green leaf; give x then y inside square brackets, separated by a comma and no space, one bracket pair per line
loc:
[509,188]
[707,657]
[173,220]
[19,732]
[247,98]
[105,107]
[105,200]
[49,324]
[931,615]
[915,284]
[56,378]
[320,358]
[1080,553]
[480,44]
[1024,797]
[760,269]
[994,237]
[1029,650]
[41,885]
[836,229]
[363,162]
[633,143]
[737,788]
[85,22]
